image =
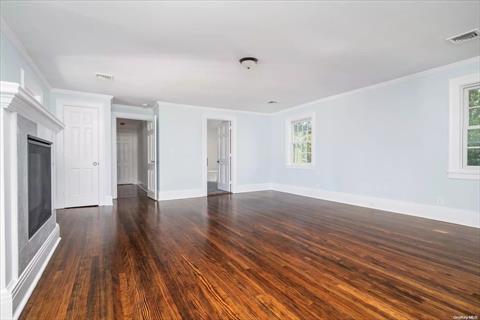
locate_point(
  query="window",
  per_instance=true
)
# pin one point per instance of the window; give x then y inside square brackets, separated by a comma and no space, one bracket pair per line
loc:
[464,160]
[300,141]
[472,112]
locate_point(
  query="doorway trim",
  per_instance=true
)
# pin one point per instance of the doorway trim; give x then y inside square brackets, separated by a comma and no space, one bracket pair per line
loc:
[233,148]
[131,116]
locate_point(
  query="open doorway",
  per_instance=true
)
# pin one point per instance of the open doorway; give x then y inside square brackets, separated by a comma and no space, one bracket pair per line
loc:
[131,156]
[219,157]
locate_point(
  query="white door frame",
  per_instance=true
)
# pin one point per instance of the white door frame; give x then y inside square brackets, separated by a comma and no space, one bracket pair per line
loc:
[132,116]
[233,148]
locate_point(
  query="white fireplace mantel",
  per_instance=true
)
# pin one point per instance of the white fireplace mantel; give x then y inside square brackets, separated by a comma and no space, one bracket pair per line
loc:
[14,98]
[22,258]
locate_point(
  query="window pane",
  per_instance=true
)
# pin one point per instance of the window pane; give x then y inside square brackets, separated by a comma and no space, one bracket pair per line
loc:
[474,137]
[473,157]
[474,98]
[301,141]
[474,117]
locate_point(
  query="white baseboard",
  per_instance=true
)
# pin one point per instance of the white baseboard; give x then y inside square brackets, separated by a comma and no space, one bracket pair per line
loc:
[107,201]
[150,194]
[253,187]
[180,194]
[14,298]
[197,193]
[142,186]
[452,215]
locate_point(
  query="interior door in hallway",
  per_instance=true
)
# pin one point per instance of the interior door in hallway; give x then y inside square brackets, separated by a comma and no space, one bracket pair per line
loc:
[224,156]
[126,157]
[81,156]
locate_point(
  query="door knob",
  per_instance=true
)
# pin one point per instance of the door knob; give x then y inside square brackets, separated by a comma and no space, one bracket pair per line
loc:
[95,164]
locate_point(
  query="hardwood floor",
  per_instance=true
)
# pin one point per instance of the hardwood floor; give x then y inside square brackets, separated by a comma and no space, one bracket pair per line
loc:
[260,255]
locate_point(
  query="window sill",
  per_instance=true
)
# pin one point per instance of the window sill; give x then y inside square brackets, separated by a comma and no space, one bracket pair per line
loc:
[297,166]
[465,174]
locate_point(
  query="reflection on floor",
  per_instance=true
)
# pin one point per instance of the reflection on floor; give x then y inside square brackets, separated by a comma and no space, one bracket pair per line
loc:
[256,255]
[213,188]
[128,191]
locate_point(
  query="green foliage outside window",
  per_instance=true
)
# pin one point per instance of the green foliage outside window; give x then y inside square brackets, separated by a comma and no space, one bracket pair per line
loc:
[474,98]
[473,130]
[302,142]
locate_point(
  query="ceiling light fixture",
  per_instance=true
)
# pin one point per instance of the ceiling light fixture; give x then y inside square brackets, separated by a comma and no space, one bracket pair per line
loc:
[272,102]
[248,62]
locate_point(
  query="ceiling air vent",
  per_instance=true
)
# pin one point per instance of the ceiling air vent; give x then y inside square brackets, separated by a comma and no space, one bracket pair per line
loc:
[467,36]
[104,76]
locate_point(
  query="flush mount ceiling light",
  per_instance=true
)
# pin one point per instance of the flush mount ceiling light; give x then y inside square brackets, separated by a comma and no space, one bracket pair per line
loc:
[248,62]
[272,102]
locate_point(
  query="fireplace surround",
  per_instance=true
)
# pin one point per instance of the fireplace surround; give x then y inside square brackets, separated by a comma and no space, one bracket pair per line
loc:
[29,232]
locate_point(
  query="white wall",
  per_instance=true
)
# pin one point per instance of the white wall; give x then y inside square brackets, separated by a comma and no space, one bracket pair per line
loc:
[130,112]
[388,142]
[13,58]
[180,148]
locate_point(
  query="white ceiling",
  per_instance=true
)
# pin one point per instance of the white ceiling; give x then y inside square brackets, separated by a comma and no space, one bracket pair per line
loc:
[187,52]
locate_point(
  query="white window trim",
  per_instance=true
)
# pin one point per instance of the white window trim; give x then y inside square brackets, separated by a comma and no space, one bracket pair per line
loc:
[288,140]
[457,169]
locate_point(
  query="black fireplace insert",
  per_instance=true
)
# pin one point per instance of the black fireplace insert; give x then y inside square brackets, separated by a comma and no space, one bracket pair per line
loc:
[39,183]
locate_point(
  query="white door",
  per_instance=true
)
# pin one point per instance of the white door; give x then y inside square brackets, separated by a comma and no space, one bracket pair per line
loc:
[81,156]
[126,157]
[151,159]
[224,156]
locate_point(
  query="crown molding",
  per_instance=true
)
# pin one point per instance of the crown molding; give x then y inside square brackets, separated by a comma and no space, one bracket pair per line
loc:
[10,35]
[160,104]
[417,75]
[81,93]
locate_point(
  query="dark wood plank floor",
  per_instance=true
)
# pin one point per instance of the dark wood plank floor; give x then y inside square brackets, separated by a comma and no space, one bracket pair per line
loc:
[261,255]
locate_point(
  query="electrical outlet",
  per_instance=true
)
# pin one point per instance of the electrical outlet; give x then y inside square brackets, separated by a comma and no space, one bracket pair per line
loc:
[440,201]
